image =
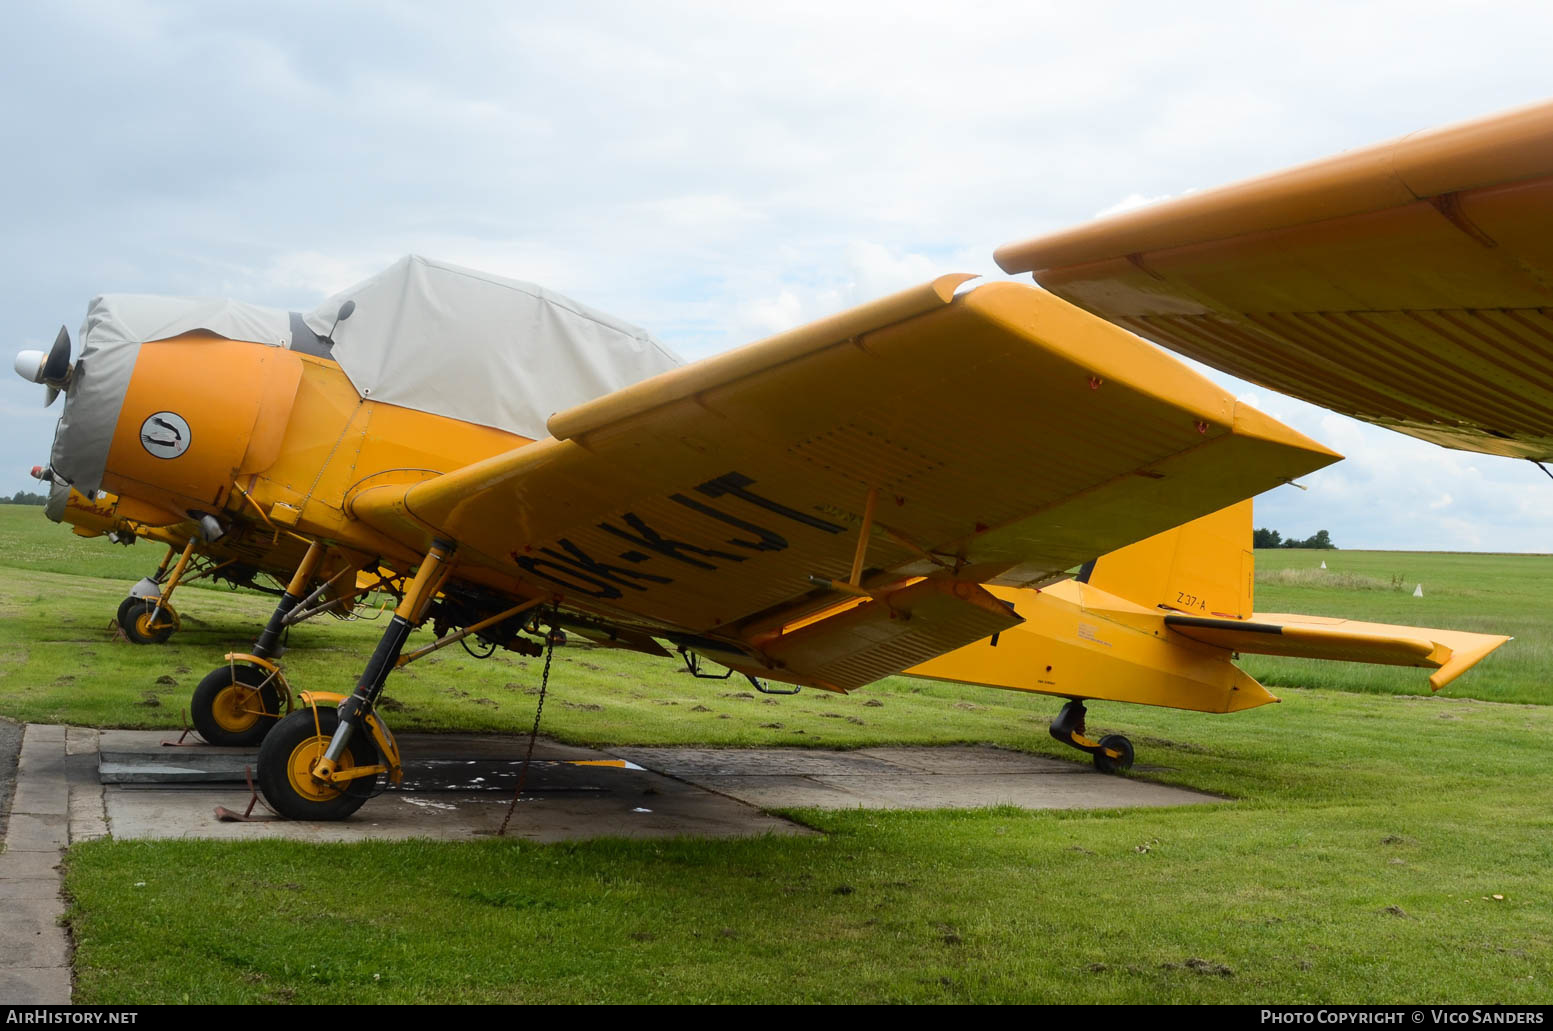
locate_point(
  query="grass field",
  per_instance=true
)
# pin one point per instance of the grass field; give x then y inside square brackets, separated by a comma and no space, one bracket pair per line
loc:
[1360,860]
[1499,594]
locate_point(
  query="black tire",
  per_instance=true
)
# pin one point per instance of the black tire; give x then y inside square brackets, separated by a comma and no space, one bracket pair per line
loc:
[294,741]
[1105,764]
[134,618]
[223,703]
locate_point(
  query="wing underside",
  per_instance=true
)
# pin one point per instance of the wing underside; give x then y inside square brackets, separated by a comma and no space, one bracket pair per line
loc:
[1408,284]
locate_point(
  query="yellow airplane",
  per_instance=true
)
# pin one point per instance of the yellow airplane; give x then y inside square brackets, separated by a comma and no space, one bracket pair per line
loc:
[823,508]
[1408,284]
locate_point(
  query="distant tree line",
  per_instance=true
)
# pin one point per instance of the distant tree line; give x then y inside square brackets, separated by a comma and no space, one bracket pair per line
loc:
[21,497]
[1263,538]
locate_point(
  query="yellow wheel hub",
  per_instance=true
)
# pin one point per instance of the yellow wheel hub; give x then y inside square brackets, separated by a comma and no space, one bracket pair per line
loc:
[299,769]
[236,708]
[147,628]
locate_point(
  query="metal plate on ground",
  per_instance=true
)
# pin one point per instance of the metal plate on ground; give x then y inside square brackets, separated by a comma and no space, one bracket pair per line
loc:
[190,766]
[561,802]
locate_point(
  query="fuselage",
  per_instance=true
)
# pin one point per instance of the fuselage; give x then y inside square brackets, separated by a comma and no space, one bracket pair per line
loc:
[264,436]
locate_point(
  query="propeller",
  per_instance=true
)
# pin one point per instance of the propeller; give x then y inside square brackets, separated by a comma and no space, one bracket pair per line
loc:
[56,367]
[52,369]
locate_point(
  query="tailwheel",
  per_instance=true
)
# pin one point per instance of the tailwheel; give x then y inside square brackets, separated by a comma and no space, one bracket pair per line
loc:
[235,705]
[135,619]
[288,756]
[1068,728]
[1116,743]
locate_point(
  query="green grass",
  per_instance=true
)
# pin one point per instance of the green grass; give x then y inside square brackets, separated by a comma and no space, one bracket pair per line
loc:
[1353,868]
[29,541]
[1497,594]
[1352,865]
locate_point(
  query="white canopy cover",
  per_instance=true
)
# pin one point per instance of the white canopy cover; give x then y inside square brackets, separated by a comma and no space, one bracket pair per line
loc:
[424,335]
[477,347]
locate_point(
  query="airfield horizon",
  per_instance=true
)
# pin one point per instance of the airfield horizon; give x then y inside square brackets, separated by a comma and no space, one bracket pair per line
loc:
[1359,861]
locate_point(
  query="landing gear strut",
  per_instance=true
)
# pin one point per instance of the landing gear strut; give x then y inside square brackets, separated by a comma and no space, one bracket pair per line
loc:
[1112,753]
[147,616]
[320,764]
[238,704]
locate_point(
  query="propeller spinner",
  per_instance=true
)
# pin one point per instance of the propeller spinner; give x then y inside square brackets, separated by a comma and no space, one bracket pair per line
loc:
[51,369]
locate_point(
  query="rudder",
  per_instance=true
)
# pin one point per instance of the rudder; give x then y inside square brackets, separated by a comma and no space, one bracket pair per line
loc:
[1204,567]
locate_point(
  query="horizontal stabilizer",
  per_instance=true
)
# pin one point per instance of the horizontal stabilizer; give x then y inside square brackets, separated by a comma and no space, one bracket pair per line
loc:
[1449,652]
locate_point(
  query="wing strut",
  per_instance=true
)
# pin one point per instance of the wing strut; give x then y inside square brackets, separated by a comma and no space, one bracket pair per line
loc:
[862,537]
[854,584]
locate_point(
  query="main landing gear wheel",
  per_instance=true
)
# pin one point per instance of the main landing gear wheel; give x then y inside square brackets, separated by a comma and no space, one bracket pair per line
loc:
[134,619]
[1104,763]
[235,705]
[290,752]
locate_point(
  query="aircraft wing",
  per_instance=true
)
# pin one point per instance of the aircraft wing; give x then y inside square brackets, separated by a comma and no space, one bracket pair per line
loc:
[1407,284]
[1000,435]
[1450,653]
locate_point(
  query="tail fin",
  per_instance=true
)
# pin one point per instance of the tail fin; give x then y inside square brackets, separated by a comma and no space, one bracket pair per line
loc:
[1204,567]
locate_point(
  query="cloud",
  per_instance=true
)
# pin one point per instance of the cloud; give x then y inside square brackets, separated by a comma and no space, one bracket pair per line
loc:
[713,172]
[1131,202]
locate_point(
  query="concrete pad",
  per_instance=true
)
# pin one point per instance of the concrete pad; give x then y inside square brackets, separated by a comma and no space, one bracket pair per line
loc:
[30,887]
[81,740]
[30,865]
[10,750]
[627,810]
[40,794]
[906,778]
[30,833]
[787,791]
[47,735]
[676,791]
[34,950]
[977,759]
[88,817]
[35,986]
[693,763]
[41,774]
[959,791]
[33,936]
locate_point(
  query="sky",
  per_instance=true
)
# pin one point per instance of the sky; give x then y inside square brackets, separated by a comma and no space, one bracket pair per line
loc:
[714,172]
